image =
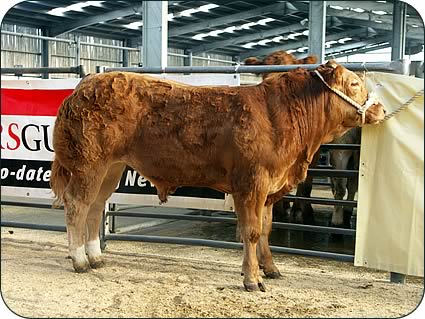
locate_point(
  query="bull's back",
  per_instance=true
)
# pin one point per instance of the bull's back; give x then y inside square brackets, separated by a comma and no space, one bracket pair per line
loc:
[115,114]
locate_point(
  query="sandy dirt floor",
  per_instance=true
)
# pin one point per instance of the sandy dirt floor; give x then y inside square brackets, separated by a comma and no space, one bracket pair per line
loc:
[159,280]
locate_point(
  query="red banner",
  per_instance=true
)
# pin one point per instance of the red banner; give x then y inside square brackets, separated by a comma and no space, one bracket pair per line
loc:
[32,102]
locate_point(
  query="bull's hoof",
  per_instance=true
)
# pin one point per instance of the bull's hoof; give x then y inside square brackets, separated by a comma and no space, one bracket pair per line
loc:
[273,274]
[81,268]
[254,286]
[97,263]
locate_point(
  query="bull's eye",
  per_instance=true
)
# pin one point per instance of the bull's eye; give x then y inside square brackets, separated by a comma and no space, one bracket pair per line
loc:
[355,83]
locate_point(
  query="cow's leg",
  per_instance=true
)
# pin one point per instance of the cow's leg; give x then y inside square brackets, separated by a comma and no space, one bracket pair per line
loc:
[94,216]
[80,193]
[339,160]
[302,212]
[263,250]
[250,208]
[339,186]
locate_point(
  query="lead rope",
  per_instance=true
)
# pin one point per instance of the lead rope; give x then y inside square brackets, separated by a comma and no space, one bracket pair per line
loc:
[405,105]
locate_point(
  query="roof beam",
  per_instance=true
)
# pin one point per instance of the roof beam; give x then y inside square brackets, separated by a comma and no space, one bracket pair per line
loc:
[383,45]
[298,44]
[60,28]
[276,8]
[366,5]
[364,16]
[412,33]
[338,50]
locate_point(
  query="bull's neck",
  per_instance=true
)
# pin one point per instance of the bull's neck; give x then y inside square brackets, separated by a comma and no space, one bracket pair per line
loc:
[301,117]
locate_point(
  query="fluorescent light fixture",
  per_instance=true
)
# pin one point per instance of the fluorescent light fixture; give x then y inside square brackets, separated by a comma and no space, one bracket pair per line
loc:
[336,7]
[74,7]
[414,26]
[378,21]
[134,25]
[306,32]
[359,10]
[291,51]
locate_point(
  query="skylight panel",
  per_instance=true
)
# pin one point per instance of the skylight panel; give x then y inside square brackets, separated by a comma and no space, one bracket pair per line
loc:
[264,42]
[232,29]
[336,7]
[379,12]
[265,21]
[249,45]
[134,25]
[74,7]
[343,40]
[189,12]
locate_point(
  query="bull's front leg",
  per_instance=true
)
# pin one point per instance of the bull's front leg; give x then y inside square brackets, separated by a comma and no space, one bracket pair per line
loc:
[263,250]
[249,207]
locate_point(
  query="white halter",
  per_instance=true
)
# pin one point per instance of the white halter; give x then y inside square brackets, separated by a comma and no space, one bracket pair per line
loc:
[361,109]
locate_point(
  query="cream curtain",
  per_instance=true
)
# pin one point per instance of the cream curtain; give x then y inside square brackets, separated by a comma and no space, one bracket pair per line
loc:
[390,219]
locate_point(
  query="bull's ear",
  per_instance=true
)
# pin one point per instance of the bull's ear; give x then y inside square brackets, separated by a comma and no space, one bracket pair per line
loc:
[332,64]
[338,71]
[252,61]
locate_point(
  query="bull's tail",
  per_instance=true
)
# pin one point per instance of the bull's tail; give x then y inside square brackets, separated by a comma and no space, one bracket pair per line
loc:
[58,180]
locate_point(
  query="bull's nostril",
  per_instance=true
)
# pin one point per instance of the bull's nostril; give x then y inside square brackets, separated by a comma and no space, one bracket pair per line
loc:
[385,111]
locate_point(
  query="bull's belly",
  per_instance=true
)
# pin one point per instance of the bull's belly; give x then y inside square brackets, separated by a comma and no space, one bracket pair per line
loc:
[180,171]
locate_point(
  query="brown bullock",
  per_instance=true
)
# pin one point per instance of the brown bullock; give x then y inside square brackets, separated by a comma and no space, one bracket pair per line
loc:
[252,142]
[280,58]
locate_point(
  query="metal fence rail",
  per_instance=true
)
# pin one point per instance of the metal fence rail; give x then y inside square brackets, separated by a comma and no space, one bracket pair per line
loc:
[395,66]
[47,70]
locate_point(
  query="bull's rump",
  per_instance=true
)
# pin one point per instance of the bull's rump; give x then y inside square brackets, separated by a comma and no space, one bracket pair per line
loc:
[186,134]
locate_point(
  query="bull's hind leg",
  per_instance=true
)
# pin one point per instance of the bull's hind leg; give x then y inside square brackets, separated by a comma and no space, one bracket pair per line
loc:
[94,216]
[263,250]
[249,208]
[80,193]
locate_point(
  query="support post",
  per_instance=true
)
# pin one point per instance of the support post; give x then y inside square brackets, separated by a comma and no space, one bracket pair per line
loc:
[188,61]
[77,49]
[155,33]
[45,52]
[126,53]
[317,29]
[399,31]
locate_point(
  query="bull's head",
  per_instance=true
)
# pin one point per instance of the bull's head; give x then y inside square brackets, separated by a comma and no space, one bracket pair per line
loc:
[361,107]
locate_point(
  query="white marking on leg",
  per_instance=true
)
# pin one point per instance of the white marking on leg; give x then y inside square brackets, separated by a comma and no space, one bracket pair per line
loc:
[93,248]
[79,255]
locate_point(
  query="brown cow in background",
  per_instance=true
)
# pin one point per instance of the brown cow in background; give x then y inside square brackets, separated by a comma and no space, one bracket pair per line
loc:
[280,58]
[254,142]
